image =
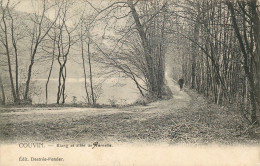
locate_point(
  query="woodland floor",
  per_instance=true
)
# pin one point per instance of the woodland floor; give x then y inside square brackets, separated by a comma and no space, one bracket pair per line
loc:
[185,118]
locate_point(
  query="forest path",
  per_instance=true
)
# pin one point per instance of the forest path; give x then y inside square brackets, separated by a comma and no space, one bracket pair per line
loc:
[185,118]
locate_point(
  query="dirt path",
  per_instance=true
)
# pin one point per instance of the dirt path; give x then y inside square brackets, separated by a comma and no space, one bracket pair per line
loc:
[186,118]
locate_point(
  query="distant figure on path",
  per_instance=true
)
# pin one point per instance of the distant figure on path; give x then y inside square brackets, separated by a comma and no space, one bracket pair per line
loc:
[181,82]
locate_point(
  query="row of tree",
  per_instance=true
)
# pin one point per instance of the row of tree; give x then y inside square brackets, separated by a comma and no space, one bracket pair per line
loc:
[221,51]
[43,35]
[134,43]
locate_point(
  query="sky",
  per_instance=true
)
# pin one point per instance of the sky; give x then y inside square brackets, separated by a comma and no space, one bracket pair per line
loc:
[34,6]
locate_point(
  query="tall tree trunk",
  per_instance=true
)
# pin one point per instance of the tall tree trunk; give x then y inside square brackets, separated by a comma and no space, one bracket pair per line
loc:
[16,57]
[84,68]
[16,75]
[3,91]
[29,74]
[147,49]
[50,71]
[60,72]
[256,29]
[246,67]
[195,50]
[59,89]
[8,58]
[90,77]
[64,75]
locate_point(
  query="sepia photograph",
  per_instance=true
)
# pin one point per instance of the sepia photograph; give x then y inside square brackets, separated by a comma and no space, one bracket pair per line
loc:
[130,82]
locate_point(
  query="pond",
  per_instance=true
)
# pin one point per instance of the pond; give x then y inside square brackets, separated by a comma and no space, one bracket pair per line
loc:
[118,90]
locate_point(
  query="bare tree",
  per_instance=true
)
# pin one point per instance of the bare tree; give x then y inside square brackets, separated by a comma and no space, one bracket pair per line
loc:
[41,28]
[142,62]
[226,67]
[249,10]
[10,37]
[5,42]
[51,67]
[64,41]
[82,35]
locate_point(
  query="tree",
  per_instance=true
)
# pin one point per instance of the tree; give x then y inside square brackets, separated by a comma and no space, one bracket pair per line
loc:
[10,37]
[82,36]
[139,48]
[155,71]
[53,40]
[90,78]
[5,42]
[64,41]
[252,72]
[41,28]
[225,68]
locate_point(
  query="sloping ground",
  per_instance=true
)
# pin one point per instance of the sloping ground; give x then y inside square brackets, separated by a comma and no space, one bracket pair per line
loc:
[186,118]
